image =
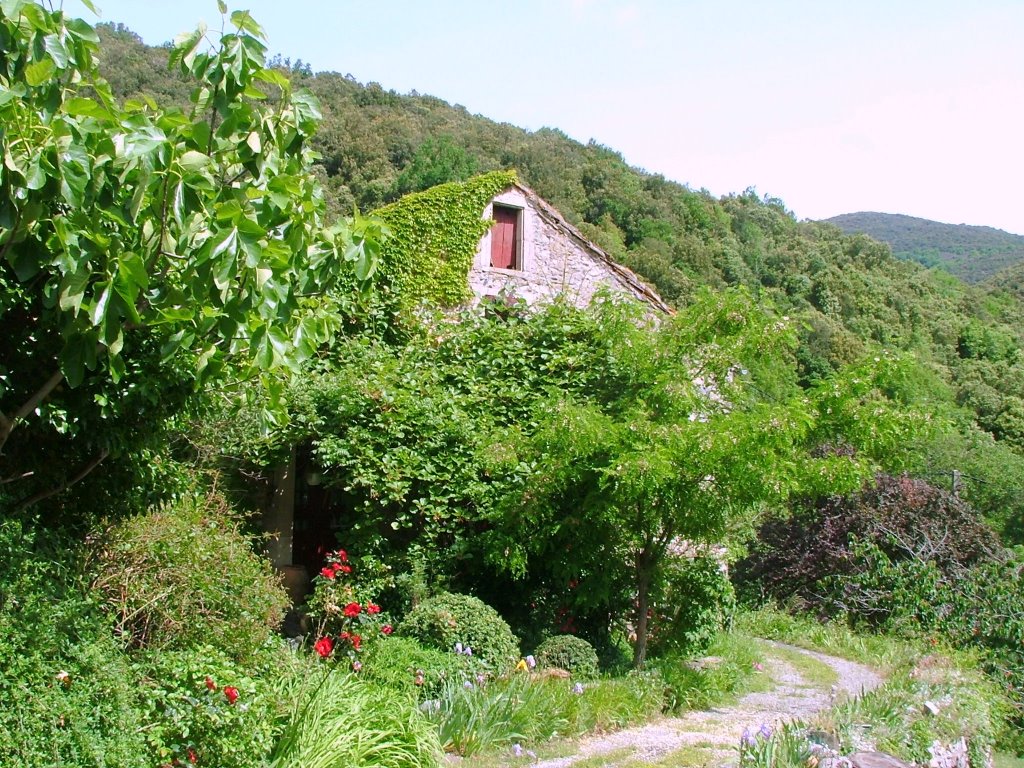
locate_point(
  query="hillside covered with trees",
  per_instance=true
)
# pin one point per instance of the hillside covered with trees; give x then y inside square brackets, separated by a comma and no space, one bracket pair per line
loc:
[971,253]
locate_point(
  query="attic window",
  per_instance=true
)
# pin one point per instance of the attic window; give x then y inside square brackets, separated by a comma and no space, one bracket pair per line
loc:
[507,237]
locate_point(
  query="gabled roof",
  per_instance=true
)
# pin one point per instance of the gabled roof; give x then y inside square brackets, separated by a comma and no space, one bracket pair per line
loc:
[641,290]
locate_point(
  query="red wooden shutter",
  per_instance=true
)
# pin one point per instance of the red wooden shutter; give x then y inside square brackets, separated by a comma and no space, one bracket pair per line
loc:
[503,237]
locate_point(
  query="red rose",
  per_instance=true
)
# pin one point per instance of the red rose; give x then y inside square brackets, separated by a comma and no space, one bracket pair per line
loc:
[327,573]
[193,757]
[344,636]
[372,608]
[210,685]
[387,629]
[324,646]
[352,610]
[356,642]
[342,555]
[345,568]
[232,693]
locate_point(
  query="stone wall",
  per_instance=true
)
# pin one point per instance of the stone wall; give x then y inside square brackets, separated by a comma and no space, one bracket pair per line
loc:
[554,259]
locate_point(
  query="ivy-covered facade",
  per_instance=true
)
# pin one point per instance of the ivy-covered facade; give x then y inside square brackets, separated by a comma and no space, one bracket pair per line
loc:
[492,237]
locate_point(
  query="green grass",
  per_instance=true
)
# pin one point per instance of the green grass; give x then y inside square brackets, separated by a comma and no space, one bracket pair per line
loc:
[1003,760]
[880,651]
[736,674]
[816,673]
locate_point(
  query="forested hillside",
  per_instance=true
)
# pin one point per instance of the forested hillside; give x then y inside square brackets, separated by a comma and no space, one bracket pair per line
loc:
[1009,281]
[971,253]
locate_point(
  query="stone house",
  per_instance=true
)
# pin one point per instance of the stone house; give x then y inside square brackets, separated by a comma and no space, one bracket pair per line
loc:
[532,253]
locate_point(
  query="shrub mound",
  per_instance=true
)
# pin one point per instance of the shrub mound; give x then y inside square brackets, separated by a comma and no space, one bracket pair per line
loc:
[570,653]
[185,575]
[449,619]
[68,692]
[398,661]
[907,519]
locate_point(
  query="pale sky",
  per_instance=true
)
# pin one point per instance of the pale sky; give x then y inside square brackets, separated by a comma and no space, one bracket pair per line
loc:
[834,106]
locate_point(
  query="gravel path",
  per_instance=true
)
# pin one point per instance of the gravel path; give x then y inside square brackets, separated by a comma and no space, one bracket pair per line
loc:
[717,731]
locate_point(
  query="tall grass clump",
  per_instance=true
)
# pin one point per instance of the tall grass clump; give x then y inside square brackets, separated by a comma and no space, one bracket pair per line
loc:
[340,721]
[479,716]
[690,686]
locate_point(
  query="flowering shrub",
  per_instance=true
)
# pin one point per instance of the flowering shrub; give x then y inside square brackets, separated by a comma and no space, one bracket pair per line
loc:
[204,709]
[344,611]
[449,620]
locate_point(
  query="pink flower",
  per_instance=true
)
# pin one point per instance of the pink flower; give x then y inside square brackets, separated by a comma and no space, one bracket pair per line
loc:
[345,568]
[372,608]
[232,693]
[324,646]
[327,572]
[356,666]
[352,610]
[357,642]
[387,629]
[342,555]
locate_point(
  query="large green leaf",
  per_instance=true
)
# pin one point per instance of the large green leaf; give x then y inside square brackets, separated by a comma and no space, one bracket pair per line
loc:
[40,72]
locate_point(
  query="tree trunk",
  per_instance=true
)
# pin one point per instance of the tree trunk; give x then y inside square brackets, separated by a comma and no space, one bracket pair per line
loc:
[643,588]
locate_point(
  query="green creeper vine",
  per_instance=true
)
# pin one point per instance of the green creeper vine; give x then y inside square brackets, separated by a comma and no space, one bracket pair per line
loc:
[434,236]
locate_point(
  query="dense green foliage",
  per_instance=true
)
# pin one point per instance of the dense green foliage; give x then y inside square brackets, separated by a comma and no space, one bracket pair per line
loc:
[433,238]
[194,580]
[848,292]
[68,692]
[568,652]
[696,605]
[971,253]
[450,621]
[145,251]
[601,434]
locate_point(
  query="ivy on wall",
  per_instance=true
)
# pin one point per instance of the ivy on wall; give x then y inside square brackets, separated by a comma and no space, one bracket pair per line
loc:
[434,236]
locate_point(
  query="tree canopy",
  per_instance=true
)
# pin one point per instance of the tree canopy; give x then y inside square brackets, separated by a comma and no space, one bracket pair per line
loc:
[145,250]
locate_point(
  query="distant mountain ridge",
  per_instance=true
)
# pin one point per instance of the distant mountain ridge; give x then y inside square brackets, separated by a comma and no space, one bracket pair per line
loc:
[972,253]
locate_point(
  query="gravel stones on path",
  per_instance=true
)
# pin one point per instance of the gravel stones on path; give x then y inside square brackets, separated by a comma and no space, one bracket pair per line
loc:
[717,731]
